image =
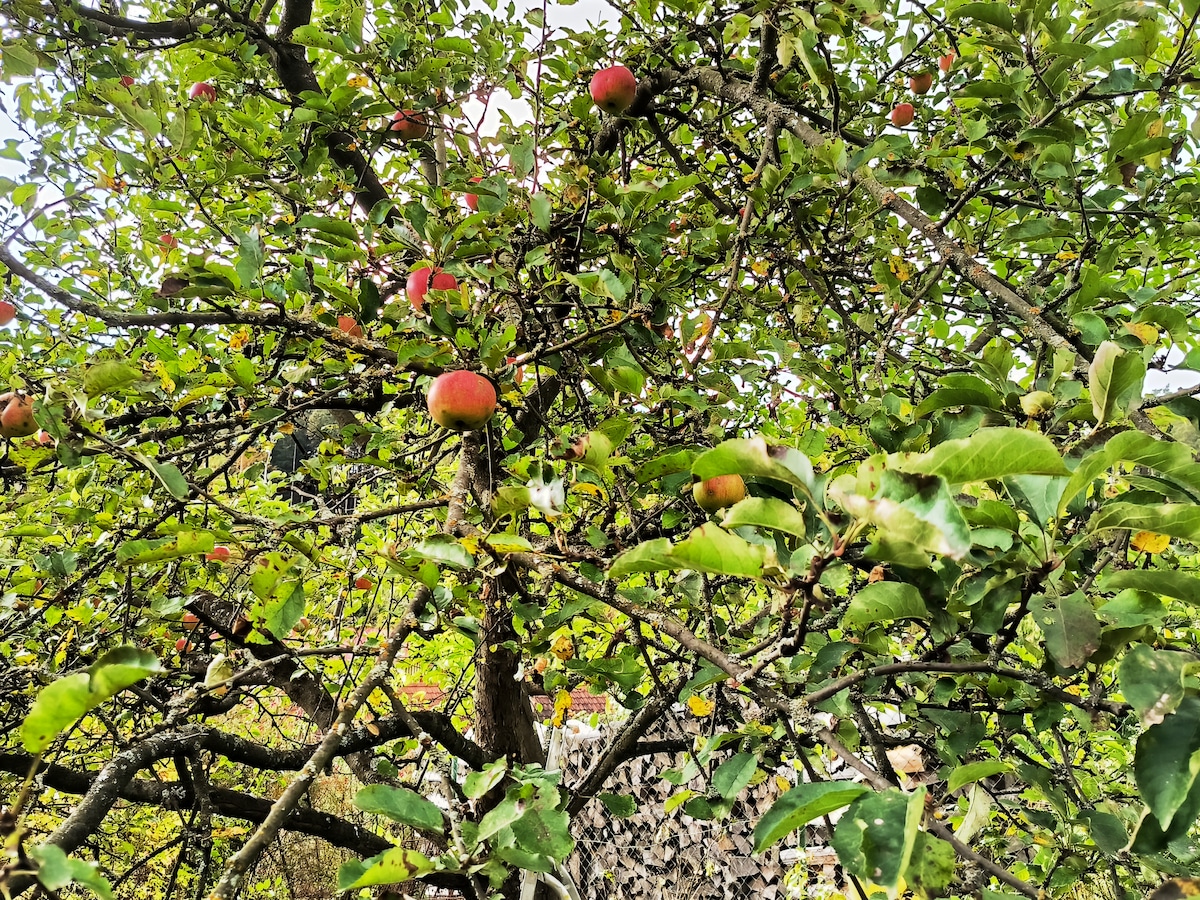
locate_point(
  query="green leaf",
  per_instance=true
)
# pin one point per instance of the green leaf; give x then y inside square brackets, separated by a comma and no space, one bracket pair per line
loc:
[667,464]
[766,512]
[875,837]
[63,702]
[1165,762]
[1070,626]
[931,866]
[400,805]
[56,870]
[109,377]
[883,601]
[1114,380]
[734,774]
[997,14]
[708,548]
[915,509]
[621,806]
[799,806]
[976,771]
[184,543]
[442,550]
[1152,681]
[756,457]
[476,784]
[544,831]
[1177,585]
[539,206]
[987,454]
[1179,520]
[712,549]
[390,867]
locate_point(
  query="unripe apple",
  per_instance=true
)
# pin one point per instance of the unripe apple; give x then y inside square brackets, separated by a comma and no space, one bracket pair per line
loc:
[719,492]
[461,401]
[408,125]
[903,115]
[202,90]
[8,312]
[473,199]
[945,62]
[219,554]
[16,417]
[418,285]
[349,326]
[613,89]
[921,84]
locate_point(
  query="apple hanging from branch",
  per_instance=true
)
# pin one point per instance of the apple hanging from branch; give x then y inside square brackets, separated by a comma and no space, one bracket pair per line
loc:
[461,401]
[16,415]
[719,492]
[202,90]
[613,89]
[421,281]
[408,125]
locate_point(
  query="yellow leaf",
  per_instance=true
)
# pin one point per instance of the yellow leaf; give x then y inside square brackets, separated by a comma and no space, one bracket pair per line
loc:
[700,707]
[470,543]
[1066,255]
[1143,331]
[901,267]
[563,647]
[358,81]
[1150,542]
[1155,129]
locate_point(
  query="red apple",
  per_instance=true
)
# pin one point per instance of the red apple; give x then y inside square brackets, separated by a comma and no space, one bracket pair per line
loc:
[127,81]
[409,125]
[348,325]
[719,492]
[8,312]
[219,554]
[418,285]
[16,418]
[169,241]
[44,438]
[461,401]
[519,374]
[613,89]
[945,62]
[920,84]
[183,645]
[903,115]
[202,90]
[363,584]
[473,199]
[190,621]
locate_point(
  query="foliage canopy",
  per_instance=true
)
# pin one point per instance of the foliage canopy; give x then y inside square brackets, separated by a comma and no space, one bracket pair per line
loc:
[928,350]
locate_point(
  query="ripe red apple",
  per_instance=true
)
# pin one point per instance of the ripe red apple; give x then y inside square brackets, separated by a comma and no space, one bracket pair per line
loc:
[44,438]
[409,125]
[419,285]
[461,401]
[127,81]
[183,645]
[719,492]
[613,89]
[16,418]
[945,62]
[8,312]
[363,584]
[473,199]
[190,621]
[348,325]
[921,84]
[169,241]
[202,90]
[903,115]
[219,554]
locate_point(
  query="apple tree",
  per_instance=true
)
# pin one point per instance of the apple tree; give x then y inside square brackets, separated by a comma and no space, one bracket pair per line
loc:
[906,290]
